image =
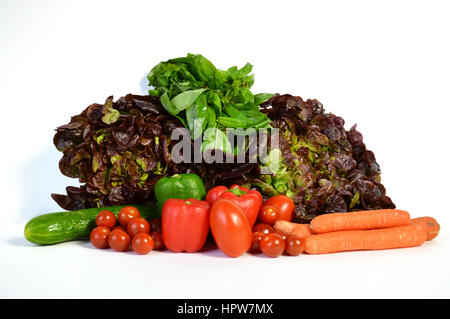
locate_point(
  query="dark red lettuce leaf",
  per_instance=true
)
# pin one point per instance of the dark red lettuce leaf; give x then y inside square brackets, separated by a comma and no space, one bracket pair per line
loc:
[119,163]
[331,168]
[328,169]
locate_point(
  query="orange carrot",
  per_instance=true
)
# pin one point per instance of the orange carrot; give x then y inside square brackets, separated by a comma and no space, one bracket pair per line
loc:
[374,239]
[427,224]
[284,226]
[360,220]
[299,230]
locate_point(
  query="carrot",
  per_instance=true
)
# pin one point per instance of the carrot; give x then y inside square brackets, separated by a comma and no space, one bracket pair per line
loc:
[299,230]
[427,224]
[360,220]
[374,239]
[284,226]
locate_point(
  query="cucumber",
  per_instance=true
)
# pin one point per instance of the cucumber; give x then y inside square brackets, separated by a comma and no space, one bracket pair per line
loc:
[54,228]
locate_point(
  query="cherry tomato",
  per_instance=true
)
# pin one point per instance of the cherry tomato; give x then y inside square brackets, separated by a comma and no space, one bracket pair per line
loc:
[263,228]
[126,214]
[282,234]
[157,240]
[99,237]
[272,245]
[268,214]
[142,243]
[155,225]
[119,240]
[119,227]
[256,238]
[138,225]
[294,245]
[106,218]
[283,204]
[230,228]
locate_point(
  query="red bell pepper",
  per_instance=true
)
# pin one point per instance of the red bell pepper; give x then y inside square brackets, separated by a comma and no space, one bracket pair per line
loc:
[250,201]
[185,224]
[214,194]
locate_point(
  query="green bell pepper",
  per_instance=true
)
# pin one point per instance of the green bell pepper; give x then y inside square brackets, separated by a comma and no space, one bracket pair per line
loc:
[180,186]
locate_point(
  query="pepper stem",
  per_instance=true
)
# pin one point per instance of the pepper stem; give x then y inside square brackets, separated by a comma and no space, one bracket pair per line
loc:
[236,191]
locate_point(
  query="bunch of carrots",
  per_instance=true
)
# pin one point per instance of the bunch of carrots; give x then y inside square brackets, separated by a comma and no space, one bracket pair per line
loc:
[362,230]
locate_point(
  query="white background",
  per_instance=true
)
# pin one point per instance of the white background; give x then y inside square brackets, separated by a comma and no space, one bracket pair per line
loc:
[382,64]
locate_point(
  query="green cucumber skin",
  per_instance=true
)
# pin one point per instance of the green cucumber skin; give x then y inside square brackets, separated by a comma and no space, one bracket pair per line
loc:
[54,228]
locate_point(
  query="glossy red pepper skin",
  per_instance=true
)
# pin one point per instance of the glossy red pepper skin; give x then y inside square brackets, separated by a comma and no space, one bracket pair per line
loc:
[250,201]
[185,224]
[214,194]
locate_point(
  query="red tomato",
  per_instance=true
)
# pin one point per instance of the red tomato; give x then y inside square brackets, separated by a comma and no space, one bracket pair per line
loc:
[282,234]
[138,225]
[155,225]
[272,245]
[263,228]
[119,240]
[142,243]
[99,237]
[283,204]
[294,245]
[256,238]
[230,228]
[157,240]
[126,214]
[268,214]
[214,193]
[106,218]
[119,227]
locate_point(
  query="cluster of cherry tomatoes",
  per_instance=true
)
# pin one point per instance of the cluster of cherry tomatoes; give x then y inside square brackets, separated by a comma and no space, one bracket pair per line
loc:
[274,243]
[129,228]
[275,208]
[269,241]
